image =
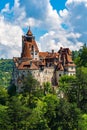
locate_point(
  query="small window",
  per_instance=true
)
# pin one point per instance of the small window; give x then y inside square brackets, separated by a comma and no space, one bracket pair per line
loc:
[59,75]
[32,47]
[35,53]
[32,53]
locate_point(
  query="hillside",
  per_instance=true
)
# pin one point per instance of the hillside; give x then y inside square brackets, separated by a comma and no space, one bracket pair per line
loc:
[5,71]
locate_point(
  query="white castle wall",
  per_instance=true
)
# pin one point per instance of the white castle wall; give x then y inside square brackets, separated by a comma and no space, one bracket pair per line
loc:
[42,76]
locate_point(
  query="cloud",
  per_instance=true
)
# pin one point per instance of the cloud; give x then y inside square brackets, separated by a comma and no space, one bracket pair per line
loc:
[10,39]
[55,40]
[69,2]
[41,12]
[10,34]
[6,9]
[9,51]
[66,28]
[77,20]
[73,31]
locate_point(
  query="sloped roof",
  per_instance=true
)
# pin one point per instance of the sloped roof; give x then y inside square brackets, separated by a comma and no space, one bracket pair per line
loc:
[70,65]
[52,55]
[43,54]
[60,67]
[29,33]
[27,65]
[48,55]
[68,58]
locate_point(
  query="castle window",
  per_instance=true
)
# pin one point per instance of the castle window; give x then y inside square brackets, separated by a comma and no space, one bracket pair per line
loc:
[32,48]
[35,53]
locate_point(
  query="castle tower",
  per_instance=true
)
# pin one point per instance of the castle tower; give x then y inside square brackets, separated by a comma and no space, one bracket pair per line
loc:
[29,46]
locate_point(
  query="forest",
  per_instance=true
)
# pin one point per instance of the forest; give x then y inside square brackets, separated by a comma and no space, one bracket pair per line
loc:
[37,108]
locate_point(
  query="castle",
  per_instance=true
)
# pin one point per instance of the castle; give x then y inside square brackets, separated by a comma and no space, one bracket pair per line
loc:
[44,66]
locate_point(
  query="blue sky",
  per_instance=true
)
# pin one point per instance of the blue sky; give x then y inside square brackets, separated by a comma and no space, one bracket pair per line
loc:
[58,4]
[55,24]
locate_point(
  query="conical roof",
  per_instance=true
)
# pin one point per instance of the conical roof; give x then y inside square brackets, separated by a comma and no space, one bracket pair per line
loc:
[29,33]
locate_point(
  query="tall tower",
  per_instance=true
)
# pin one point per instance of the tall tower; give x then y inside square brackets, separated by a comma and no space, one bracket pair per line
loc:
[29,46]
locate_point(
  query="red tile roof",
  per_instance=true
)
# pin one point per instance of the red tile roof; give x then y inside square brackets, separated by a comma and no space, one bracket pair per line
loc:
[43,54]
[60,67]
[70,65]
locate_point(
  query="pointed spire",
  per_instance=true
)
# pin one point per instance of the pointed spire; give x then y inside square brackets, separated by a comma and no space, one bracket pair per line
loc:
[29,33]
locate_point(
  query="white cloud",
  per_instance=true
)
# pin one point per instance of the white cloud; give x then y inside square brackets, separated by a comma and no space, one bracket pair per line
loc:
[66,28]
[75,1]
[10,34]
[6,9]
[10,39]
[9,51]
[55,40]
[41,12]
[63,13]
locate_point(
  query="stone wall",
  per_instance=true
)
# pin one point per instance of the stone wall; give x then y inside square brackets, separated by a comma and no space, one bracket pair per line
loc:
[42,76]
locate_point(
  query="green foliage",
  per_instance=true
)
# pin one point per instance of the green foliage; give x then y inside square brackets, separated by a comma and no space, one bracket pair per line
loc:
[12,90]
[74,89]
[17,113]
[36,119]
[82,87]
[83,122]
[47,87]
[80,57]
[6,67]
[75,55]
[3,96]
[67,85]
[4,118]
[30,84]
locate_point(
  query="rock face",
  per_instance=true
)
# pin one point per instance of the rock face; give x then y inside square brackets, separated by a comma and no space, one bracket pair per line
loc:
[44,66]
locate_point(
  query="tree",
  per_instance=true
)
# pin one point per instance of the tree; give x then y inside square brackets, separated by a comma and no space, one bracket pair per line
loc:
[47,87]
[4,118]
[3,96]
[67,115]
[81,60]
[83,122]
[30,84]
[50,115]
[67,85]
[82,87]
[12,90]
[17,113]
[37,121]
